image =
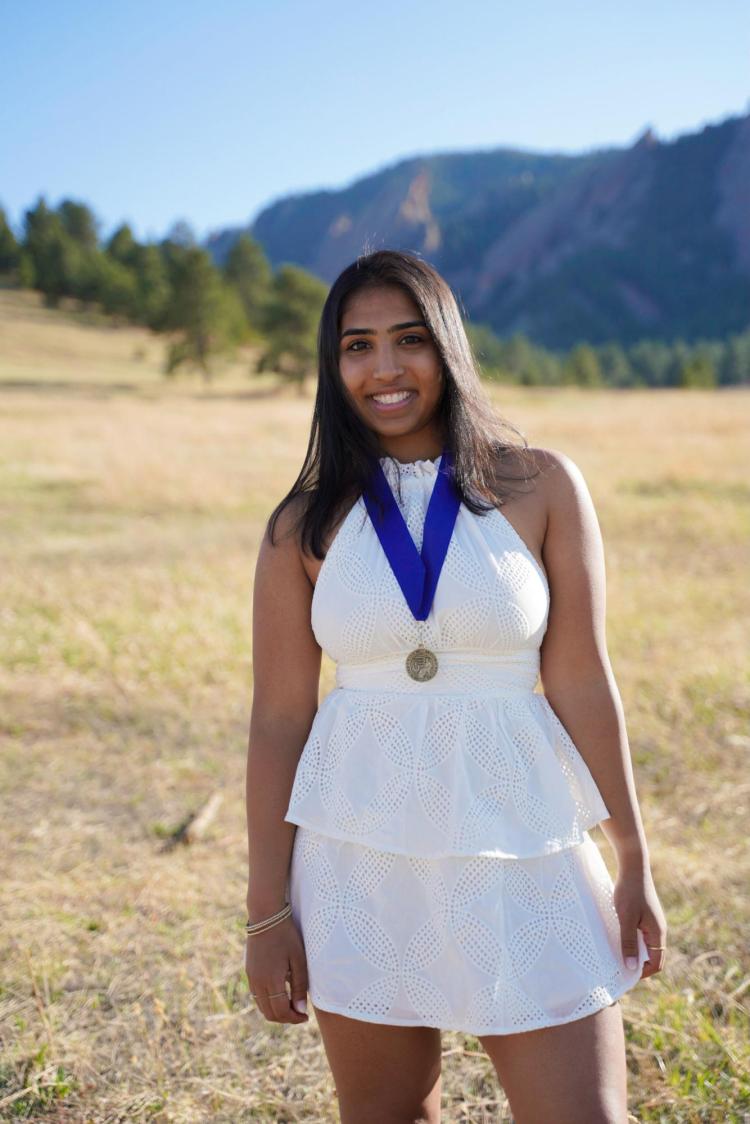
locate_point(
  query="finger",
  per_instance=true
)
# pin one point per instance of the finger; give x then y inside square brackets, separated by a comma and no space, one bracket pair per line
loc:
[651,967]
[629,943]
[656,958]
[267,1001]
[279,1001]
[265,1004]
[299,981]
[655,938]
[282,1009]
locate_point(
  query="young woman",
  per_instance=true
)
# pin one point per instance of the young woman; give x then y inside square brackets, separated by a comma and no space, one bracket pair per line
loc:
[418,844]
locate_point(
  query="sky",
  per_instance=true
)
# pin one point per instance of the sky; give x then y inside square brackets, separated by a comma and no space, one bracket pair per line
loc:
[208,110]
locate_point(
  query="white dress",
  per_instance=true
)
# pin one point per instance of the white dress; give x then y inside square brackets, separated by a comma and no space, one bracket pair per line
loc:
[442,873]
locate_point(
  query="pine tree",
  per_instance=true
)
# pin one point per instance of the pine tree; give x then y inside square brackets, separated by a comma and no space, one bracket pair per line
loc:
[248,269]
[290,323]
[582,368]
[205,312]
[10,253]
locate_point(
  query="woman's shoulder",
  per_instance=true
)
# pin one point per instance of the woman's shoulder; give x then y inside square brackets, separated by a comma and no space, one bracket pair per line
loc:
[543,489]
[285,520]
[290,524]
[563,501]
[550,470]
[560,475]
[533,458]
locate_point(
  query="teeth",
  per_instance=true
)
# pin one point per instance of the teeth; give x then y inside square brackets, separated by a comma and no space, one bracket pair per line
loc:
[397,396]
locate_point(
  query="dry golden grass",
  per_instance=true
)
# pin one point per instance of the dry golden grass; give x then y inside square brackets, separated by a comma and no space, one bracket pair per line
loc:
[132,510]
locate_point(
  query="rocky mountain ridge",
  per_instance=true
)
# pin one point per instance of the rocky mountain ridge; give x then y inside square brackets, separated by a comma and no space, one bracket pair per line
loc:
[652,240]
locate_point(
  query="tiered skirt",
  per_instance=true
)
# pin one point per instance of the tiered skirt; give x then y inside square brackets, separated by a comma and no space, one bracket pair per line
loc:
[442,873]
[470,943]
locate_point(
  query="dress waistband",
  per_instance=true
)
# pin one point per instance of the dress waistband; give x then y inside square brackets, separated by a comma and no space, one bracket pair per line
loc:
[458,672]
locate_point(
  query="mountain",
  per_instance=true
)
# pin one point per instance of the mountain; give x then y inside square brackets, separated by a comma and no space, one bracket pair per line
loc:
[652,240]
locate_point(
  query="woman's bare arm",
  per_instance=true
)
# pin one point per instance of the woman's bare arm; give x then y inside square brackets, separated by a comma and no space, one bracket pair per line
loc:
[576,673]
[286,673]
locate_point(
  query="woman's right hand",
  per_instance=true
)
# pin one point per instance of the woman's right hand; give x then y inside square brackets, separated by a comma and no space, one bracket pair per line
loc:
[272,958]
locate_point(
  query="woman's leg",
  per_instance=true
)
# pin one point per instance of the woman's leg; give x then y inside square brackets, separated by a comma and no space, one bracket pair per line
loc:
[574,1073]
[383,1074]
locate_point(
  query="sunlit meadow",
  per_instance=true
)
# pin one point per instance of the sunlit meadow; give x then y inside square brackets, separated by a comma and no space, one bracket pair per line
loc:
[132,509]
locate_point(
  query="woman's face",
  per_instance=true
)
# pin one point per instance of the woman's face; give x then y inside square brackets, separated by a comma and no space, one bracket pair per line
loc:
[391,370]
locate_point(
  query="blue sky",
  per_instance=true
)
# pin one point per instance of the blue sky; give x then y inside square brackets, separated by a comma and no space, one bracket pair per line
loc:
[209,110]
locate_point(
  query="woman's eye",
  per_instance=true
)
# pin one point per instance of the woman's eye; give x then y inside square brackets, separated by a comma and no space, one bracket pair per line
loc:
[410,338]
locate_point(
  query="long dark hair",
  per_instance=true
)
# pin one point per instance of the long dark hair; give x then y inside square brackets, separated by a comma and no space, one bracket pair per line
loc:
[341,448]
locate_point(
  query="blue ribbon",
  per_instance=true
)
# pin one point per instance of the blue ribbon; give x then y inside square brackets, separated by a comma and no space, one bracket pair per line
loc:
[416,573]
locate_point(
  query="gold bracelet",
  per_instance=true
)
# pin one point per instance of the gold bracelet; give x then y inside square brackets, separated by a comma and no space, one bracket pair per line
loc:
[251,928]
[271,918]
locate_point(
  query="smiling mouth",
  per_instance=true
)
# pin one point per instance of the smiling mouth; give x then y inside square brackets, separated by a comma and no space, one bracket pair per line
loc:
[391,400]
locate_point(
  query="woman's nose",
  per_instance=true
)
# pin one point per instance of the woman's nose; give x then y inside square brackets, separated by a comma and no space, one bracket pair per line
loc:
[387,362]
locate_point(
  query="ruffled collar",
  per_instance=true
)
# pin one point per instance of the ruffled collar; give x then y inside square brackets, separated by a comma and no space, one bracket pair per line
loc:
[420,467]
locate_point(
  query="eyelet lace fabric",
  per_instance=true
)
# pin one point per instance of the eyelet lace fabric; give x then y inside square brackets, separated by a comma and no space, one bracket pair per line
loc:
[442,873]
[471,762]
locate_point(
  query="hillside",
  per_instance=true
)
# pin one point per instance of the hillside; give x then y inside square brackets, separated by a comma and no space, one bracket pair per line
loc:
[617,244]
[69,348]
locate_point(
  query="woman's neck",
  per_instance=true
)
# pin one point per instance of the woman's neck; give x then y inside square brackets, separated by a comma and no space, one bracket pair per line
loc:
[413,447]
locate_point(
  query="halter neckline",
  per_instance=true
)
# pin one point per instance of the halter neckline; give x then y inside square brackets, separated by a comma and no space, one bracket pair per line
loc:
[418,465]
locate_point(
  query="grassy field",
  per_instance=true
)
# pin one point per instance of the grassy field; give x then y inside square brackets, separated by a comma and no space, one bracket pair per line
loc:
[132,509]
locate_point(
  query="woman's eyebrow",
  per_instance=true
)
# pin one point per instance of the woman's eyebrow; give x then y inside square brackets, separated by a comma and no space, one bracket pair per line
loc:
[393,328]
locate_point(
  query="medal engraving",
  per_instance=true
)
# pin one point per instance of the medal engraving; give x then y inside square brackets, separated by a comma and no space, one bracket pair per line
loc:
[421,664]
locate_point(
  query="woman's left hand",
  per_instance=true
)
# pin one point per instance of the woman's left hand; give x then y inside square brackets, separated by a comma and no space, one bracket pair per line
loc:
[638,907]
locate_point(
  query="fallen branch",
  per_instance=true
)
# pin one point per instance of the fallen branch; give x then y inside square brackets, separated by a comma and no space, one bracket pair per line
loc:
[195,825]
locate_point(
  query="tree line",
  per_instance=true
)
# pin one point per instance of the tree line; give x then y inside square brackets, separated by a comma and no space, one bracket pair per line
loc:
[647,363]
[173,286]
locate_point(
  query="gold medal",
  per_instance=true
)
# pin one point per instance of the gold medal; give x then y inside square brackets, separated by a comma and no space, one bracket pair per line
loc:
[421,664]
